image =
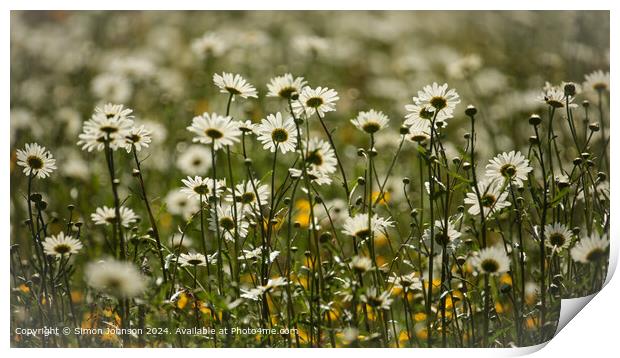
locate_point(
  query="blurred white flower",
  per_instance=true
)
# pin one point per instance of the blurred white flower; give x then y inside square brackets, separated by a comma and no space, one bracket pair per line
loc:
[178,203]
[192,259]
[597,81]
[107,216]
[121,279]
[195,160]
[590,249]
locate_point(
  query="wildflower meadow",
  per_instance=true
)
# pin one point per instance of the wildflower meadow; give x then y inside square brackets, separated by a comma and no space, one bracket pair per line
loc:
[305,178]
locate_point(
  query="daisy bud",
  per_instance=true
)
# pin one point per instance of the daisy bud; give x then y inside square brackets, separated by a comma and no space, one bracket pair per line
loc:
[361,181]
[534,119]
[297,224]
[533,139]
[466,135]
[554,289]
[318,199]
[557,279]
[406,181]
[594,127]
[247,162]
[135,240]
[414,213]
[360,152]
[471,111]
[585,155]
[590,163]
[601,176]
[569,89]
[78,224]
[460,208]
[373,152]
[35,197]
[116,182]
[294,248]
[456,160]
[577,161]
[70,207]
[460,260]
[576,230]
[358,201]
[41,205]
[286,200]
[135,172]
[325,237]
[585,104]
[466,165]
[404,130]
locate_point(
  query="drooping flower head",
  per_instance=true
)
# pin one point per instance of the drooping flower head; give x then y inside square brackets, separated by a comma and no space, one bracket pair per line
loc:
[285,86]
[597,81]
[235,85]
[107,216]
[61,245]
[199,187]
[371,121]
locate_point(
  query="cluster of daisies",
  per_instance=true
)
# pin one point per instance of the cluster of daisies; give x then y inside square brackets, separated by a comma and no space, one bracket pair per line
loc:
[237,207]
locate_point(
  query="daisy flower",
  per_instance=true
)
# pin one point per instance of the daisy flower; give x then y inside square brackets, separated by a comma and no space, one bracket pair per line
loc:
[422,115]
[357,226]
[256,293]
[377,300]
[509,166]
[215,129]
[36,160]
[120,279]
[419,132]
[371,122]
[105,216]
[407,282]
[209,44]
[558,236]
[257,254]
[320,155]
[438,97]
[274,132]
[195,160]
[591,249]
[246,195]
[316,100]
[61,245]
[360,264]
[555,96]
[492,197]
[597,81]
[110,124]
[235,85]
[316,177]
[198,186]
[178,203]
[137,137]
[226,223]
[285,86]
[491,260]
[192,259]
[443,236]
